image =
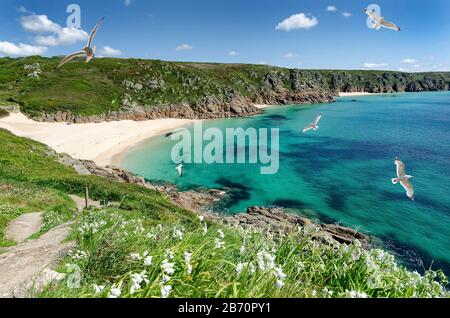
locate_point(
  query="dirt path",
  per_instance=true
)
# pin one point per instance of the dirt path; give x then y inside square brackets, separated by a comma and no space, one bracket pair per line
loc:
[27,266]
[23,227]
[80,203]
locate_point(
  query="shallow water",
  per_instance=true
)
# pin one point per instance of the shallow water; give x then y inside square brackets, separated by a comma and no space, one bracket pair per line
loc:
[342,172]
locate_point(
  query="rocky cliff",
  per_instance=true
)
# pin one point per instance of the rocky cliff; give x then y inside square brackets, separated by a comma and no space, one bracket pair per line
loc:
[116,89]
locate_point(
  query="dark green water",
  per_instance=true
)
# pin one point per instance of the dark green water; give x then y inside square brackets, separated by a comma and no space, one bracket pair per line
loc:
[341,173]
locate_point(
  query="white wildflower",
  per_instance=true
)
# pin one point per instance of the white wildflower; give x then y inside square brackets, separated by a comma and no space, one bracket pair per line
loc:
[169,254]
[148,260]
[136,281]
[201,218]
[279,284]
[241,266]
[135,256]
[205,229]
[219,244]
[187,259]
[165,291]
[98,288]
[221,235]
[168,268]
[354,294]
[114,292]
[178,234]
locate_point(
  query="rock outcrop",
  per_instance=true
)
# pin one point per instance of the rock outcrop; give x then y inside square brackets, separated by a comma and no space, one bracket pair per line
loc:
[276,221]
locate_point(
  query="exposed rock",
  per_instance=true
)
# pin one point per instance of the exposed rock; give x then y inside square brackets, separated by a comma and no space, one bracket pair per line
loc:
[276,221]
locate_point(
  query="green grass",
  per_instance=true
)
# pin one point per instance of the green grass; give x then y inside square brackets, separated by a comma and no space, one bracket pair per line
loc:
[113,247]
[114,242]
[17,198]
[98,87]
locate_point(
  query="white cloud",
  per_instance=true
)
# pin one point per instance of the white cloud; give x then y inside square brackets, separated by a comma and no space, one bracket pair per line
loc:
[409,61]
[184,47]
[374,65]
[109,51]
[65,36]
[331,9]
[127,2]
[12,49]
[262,63]
[38,24]
[233,53]
[22,9]
[297,21]
[289,55]
[346,14]
[59,36]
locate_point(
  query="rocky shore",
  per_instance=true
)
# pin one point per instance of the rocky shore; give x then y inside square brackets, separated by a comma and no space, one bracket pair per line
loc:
[272,219]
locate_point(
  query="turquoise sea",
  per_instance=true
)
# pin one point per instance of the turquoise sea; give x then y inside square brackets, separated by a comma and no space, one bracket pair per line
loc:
[341,173]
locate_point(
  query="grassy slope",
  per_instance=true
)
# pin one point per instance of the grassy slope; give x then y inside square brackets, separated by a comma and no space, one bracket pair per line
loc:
[98,87]
[146,222]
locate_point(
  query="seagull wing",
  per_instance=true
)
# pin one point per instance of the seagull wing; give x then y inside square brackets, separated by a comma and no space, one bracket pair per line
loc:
[70,57]
[400,168]
[317,120]
[307,128]
[409,188]
[374,16]
[94,32]
[389,25]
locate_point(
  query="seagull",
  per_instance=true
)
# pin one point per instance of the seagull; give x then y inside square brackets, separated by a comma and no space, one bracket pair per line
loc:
[180,169]
[379,22]
[403,178]
[313,125]
[87,51]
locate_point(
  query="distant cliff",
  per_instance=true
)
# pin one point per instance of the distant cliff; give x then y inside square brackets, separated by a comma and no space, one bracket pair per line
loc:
[112,89]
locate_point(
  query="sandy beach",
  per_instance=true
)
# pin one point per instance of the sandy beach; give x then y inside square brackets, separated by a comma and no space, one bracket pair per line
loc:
[261,106]
[354,94]
[104,143]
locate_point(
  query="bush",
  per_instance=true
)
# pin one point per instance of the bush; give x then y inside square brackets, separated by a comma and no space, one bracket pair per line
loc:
[3,113]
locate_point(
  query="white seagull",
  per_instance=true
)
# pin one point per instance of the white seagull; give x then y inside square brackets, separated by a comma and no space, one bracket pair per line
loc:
[313,125]
[403,178]
[87,51]
[180,169]
[379,22]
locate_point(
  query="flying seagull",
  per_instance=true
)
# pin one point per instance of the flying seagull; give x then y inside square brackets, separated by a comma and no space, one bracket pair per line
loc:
[87,51]
[379,22]
[313,125]
[403,178]
[180,169]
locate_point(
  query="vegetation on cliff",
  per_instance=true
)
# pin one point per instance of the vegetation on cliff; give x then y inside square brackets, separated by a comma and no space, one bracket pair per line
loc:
[145,246]
[198,89]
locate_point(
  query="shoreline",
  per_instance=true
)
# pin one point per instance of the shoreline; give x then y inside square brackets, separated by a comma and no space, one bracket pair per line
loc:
[104,143]
[357,94]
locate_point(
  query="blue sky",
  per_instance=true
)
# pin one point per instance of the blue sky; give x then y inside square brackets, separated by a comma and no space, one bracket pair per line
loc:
[238,31]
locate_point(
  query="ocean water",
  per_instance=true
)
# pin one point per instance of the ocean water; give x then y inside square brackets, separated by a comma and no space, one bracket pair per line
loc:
[341,173]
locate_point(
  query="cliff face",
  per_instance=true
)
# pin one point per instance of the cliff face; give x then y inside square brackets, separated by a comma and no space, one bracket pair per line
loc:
[116,89]
[388,82]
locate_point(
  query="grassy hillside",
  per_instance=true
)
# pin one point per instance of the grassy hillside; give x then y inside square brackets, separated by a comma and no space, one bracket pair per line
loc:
[110,84]
[147,247]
